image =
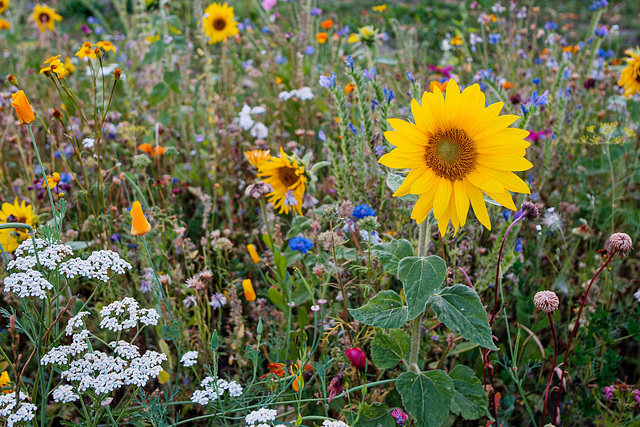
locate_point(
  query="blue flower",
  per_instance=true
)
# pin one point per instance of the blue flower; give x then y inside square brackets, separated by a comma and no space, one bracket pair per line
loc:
[309,50]
[115,238]
[410,77]
[518,247]
[328,81]
[281,59]
[349,62]
[374,104]
[601,31]
[388,95]
[363,211]
[315,12]
[322,136]
[550,25]
[506,214]
[353,129]
[344,31]
[366,74]
[300,243]
[494,38]
[536,81]
[539,101]
[599,4]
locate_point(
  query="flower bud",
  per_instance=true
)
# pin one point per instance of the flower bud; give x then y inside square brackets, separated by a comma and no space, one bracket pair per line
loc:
[357,358]
[620,242]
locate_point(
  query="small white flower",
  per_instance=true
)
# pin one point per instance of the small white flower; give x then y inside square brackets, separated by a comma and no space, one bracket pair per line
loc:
[260,131]
[88,142]
[190,358]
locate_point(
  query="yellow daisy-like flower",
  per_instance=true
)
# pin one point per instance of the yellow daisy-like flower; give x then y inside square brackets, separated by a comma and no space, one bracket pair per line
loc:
[86,50]
[5,381]
[45,17]
[55,66]
[4,24]
[630,77]
[457,150]
[380,8]
[4,5]
[256,157]
[11,238]
[52,180]
[219,23]
[106,46]
[288,179]
[69,68]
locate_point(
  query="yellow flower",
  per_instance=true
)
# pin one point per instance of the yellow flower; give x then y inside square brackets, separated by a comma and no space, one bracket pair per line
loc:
[52,180]
[256,157]
[366,34]
[456,41]
[630,77]
[249,293]
[353,38]
[24,110]
[380,8]
[45,17]
[219,23]
[86,50]
[153,39]
[11,238]
[55,66]
[4,24]
[4,5]
[253,253]
[69,68]
[5,381]
[287,178]
[457,150]
[139,224]
[106,46]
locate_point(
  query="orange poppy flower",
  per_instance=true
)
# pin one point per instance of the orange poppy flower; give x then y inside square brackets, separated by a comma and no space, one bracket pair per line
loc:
[152,150]
[23,108]
[322,37]
[249,292]
[327,24]
[349,88]
[254,254]
[139,224]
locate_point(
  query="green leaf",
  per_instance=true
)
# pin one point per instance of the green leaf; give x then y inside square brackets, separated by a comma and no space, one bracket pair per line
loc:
[394,182]
[385,310]
[317,166]
[277,299]
[299,224]
[155,53]
[460,309]
[374,415]
[633,107]
[391,253]
[388,350]
[422,277]
[469,399]
[173,79]
[158,93]
[427,396]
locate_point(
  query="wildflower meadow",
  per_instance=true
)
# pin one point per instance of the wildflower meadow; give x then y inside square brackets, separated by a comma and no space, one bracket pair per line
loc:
[319,213]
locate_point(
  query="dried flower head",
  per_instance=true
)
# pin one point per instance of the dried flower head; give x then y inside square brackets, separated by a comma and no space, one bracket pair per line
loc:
[546,301]
[529,210]
[620,242]
[257,190]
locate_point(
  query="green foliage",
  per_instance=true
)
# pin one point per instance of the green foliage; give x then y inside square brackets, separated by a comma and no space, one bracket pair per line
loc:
[422,277]
[428,396]
[385,310]
[387,350]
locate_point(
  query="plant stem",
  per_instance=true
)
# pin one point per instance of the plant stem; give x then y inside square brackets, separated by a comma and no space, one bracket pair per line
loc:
[44,175]
[553,368]
[416,335]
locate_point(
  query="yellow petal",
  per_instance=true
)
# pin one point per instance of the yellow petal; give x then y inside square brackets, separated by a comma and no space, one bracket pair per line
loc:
[442,198]
[461,201]
[423,206]
[424,183]
[477,201]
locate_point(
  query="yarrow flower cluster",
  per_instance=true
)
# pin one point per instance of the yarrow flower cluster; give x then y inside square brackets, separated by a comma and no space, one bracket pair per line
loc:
[49,256]
[97,266]
[303,94]
[261,417]
[26,411]
[214,388]
[126,314]
[328,423]
[30,283]
[190,358]
[65,394]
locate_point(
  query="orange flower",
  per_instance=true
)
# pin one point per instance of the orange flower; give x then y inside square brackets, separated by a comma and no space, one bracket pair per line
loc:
[436,84]
[322,37]
[349,88]
[256,157]
[139,224]
[456,41]
[23,108]
[327,24]
[152,150]
[493,17]
[249,293]
[507,85]
[278,80]
[280,370]
[5,381]
[253,253]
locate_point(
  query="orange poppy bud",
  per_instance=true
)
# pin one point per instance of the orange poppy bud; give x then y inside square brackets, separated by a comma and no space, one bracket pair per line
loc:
[322,37]
[23,108]
[349,88]
[249,293]
[327,24]
[139,224]
[254,254]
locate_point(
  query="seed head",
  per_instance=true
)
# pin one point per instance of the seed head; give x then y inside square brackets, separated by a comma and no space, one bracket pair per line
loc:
[546,301]
[529,210]
[620,242]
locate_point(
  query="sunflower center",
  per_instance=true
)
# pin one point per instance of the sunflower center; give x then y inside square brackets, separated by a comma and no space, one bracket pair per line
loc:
[44,18]
[288,176]
[451,154]
[219,24]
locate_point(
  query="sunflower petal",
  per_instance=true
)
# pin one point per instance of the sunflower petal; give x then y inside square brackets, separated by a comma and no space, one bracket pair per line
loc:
[442,198]
[461,201]
[477,202]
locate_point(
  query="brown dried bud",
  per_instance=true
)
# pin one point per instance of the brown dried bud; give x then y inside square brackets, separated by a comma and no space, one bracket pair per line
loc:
[117,73]
[529,210]
[56,114]
[257,190]
[620,242]
[12,79]
[546,301]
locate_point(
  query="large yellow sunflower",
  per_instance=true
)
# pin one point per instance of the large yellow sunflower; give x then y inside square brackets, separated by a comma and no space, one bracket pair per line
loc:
[457,150]
[11,238]
[4,5]
[256,157]
[219,23]
[288,179]
[45,17]
[630,77]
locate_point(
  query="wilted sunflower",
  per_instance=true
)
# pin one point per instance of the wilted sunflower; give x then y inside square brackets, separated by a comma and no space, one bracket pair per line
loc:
[256,157]
[457,150]
[630,77]
[219,23]
[11,238]
[288,178]
[45,17]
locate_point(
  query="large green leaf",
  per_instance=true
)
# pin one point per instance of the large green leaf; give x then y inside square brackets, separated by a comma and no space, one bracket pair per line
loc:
[173,79]
[375,415]
[394,182]
[427,396]
[391,253]
[388,350]
[422,277]
[385,310]
[460,309]
[469,399]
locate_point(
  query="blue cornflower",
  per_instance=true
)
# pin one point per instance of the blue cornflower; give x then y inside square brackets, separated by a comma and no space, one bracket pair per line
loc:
[363,211]
[328,81]
[494,38]
[281,59]
[309,50]
[344,31]
[550,25]
[536,81]
[265,30]
[315,11]
[300,243]
[410,77]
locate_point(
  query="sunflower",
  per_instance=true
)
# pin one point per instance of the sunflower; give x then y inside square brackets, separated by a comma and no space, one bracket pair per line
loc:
[457,150]
[256,157]
[219,23]
[4,5]
[11,238]
[45,17]
[630,77]
[288,178]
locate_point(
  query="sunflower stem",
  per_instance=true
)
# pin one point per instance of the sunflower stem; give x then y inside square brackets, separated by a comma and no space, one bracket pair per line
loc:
[416,336]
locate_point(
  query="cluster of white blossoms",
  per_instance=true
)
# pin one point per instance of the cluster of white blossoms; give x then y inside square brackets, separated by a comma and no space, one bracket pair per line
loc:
[49,256]
[327,423]
[25,412]
[97,266]
[190,358]
[214,388]
[126,314]
[261,417]
[30,283]
[65,394]
[303,94]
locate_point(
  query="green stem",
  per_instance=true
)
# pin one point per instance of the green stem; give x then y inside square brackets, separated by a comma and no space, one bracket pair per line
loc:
[423,243]
[44,177]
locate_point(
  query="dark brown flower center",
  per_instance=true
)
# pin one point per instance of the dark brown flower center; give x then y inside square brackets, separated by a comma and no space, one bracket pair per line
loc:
[451,154]
[44,18]
[288,176]
[219,24]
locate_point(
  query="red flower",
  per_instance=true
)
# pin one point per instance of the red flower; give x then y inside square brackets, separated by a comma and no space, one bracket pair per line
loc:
[357,358]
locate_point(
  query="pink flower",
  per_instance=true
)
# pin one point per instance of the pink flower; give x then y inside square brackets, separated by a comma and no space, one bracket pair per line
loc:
[608,392]
[269,4]
[335,386]
[357,358]
[400,417]
[636,396]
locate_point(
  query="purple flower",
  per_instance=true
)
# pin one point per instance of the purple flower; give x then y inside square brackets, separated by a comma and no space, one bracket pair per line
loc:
[608,392]
[550,25]
[400,417]
[357,357]
[85,29]
[494,38]
[539,101]
[315,12]
[636,396]
[344,31]
[322,136]
[328,81]
[410,77]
